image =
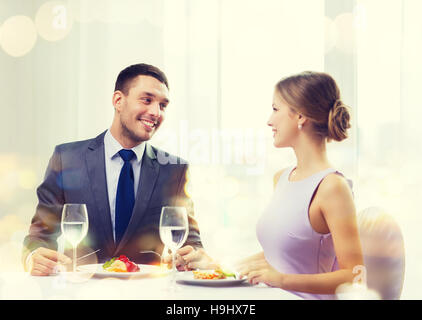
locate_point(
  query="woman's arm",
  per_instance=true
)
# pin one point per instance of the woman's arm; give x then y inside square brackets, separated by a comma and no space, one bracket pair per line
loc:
[335,201]
[336,204]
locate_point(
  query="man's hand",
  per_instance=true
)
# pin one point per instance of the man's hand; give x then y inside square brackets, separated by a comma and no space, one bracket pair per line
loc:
[189,258]
[44,262]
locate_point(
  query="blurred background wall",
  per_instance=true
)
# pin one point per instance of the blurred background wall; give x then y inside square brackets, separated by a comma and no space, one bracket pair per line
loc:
[59,61]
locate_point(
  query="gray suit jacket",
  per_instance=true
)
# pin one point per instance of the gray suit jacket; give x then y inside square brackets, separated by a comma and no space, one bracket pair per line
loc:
[76,174]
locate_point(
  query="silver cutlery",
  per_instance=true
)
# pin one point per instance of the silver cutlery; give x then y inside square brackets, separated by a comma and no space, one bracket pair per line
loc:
[149,251]
[87,255]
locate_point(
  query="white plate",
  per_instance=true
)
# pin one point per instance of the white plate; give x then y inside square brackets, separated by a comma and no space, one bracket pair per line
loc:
[188,278]
[145,271]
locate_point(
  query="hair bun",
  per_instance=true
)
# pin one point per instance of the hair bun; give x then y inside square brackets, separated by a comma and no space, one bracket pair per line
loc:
[338,121]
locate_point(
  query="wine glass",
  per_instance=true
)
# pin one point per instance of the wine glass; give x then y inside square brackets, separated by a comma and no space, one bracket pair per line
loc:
[173,232]
[74,225]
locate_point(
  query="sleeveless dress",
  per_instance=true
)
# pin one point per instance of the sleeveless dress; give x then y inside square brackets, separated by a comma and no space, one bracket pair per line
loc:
[285,233]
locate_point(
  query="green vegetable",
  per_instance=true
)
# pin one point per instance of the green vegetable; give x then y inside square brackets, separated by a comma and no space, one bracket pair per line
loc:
[227,274]
[108,263]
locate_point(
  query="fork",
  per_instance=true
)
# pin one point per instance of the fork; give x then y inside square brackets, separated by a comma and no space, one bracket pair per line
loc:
[87,255]
[150,251]
[156,253]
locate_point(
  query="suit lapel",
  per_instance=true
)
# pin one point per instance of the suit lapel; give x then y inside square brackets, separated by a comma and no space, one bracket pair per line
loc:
[95,160]
[149,175]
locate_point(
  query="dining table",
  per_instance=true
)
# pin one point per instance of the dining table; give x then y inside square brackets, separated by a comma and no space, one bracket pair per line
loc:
[156,286]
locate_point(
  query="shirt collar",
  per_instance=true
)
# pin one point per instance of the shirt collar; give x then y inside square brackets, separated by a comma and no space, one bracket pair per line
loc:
[112,147]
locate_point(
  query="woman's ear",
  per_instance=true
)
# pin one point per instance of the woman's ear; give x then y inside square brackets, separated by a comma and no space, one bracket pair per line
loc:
[301,120]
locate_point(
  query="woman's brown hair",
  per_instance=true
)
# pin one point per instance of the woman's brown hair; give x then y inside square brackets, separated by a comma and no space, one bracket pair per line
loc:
[317,96]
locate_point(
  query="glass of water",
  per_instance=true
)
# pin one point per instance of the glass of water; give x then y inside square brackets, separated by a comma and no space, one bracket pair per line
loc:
[74,225]
[173,232]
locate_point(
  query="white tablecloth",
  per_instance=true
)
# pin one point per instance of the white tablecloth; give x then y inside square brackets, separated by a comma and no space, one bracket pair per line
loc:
[20,285]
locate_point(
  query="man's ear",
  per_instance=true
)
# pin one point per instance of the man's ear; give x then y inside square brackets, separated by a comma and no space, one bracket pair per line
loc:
[117,100]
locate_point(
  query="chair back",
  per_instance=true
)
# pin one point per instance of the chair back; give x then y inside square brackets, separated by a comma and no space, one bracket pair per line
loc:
[383,252]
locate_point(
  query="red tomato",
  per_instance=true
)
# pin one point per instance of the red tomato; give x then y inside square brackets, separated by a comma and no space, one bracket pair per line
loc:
[123,258]
[130,266]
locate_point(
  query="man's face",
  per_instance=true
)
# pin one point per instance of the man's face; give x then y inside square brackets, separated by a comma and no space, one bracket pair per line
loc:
[142,110]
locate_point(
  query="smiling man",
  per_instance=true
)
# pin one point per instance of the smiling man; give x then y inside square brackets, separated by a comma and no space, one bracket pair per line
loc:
[120,179]
[139,104]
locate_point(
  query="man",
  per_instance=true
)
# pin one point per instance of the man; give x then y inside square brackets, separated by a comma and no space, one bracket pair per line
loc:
[122,179]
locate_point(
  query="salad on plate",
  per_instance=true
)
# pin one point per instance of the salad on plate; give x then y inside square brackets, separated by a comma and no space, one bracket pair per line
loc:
[120,264]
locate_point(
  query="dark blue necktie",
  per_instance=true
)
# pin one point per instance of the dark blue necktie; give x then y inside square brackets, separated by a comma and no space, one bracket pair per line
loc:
[125,197]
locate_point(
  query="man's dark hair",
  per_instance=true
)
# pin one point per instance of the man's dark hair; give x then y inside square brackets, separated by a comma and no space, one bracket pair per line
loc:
[126,76]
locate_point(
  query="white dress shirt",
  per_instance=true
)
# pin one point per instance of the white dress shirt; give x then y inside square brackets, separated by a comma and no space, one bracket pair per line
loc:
[113,166]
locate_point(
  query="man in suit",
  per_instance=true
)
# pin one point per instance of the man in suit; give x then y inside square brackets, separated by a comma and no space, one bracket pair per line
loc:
[101,172]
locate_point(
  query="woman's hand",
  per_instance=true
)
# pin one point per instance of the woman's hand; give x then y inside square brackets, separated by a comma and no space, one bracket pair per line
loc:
[261,271]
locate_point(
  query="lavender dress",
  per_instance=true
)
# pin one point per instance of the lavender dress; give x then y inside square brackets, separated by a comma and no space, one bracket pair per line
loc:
[285,233]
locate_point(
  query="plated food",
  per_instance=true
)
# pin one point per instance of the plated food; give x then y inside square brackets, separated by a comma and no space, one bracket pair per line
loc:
[213,278]
[120,264]
[117,270]
[212,275]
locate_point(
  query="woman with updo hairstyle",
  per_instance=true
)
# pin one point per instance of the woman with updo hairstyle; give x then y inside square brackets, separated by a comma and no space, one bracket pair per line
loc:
[308,232]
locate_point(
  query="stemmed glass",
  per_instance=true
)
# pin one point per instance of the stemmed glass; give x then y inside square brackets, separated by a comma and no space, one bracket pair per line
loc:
[74,225]
[173,233]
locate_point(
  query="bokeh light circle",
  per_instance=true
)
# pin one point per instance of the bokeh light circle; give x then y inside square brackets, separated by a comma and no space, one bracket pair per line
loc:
[18,35]
[345,41]
[53,20]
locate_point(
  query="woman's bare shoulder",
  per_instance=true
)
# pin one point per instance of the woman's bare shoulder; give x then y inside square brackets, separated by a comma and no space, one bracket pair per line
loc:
[335,193]
[334,183]
[277,176]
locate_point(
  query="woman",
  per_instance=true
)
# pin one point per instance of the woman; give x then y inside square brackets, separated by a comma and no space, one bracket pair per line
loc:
[308,232]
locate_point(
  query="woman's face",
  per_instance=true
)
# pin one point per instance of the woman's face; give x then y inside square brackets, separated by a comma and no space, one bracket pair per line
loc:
[283,121]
